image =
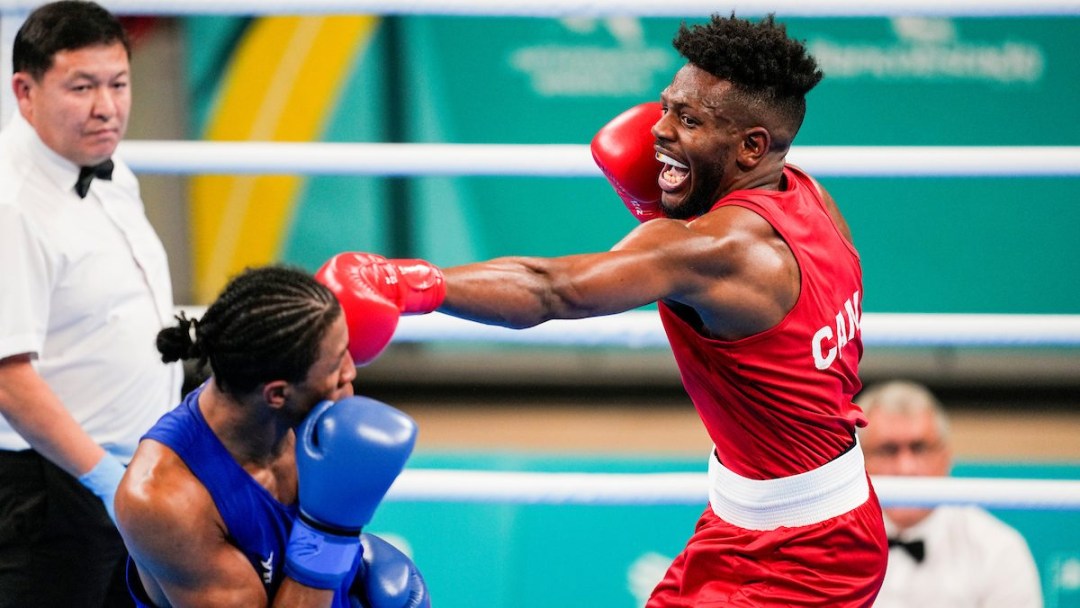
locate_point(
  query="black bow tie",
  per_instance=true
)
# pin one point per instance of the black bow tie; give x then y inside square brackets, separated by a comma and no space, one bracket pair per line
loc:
[87,174]
[915,548]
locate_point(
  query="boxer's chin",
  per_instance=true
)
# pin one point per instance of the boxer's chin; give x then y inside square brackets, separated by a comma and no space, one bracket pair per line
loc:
[681,205]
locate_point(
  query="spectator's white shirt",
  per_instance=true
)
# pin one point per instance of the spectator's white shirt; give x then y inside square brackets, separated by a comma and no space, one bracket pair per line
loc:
[973,560]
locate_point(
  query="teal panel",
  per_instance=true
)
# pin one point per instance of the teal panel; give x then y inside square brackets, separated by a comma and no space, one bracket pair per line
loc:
[914,81]
[522,216]
[507,80]
[965,246]
[336,213]
[208,42]
[971,245]
[526,80]
[462,550]
[538,556]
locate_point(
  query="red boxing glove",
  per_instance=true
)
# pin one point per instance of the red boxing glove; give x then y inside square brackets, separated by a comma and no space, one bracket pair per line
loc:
[623,149]
[375,291]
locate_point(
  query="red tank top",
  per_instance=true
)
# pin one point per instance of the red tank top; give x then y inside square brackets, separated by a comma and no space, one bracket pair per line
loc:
[779,403]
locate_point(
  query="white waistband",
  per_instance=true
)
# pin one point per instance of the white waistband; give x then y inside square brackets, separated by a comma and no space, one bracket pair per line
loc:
[799,500]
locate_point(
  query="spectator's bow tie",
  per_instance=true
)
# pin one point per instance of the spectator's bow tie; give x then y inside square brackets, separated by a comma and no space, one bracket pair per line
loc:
[86,174]
[915,548]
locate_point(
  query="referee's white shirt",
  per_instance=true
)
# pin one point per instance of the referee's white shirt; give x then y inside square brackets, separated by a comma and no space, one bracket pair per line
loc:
[972,560]
[85,288]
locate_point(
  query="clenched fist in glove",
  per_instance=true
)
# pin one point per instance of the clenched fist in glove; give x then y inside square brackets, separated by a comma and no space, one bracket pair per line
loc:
[387,578]
[375,292]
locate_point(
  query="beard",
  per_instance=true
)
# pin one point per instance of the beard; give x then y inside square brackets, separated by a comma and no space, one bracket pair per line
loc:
[703,195]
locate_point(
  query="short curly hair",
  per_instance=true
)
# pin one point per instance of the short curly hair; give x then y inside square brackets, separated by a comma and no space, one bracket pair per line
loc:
[758,58]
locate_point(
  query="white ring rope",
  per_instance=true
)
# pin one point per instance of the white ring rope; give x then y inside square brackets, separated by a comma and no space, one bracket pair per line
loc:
[444,485]
[571,160]
[642,329]
[566,8]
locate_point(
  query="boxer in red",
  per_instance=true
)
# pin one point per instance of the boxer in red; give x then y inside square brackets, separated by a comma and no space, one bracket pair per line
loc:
[759,288]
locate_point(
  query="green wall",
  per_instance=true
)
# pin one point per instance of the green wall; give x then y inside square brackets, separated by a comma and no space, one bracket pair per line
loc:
[928,244]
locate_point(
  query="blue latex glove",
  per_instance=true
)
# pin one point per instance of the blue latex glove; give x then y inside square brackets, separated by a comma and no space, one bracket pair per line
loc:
[103,480]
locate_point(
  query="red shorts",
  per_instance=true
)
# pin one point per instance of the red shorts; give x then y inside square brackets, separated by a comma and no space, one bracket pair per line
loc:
[839,563]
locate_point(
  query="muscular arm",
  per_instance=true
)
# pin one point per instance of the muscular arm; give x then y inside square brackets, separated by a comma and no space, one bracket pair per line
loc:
[178,540]
[729,266]
[36,413]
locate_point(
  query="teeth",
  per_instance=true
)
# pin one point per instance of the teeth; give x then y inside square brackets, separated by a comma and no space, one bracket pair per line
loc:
[664,158]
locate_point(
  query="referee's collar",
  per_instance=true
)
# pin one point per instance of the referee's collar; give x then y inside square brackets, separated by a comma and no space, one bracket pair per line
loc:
[58,169]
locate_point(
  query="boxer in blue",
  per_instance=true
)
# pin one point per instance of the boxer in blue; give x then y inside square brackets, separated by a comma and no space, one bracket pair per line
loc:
[254,490]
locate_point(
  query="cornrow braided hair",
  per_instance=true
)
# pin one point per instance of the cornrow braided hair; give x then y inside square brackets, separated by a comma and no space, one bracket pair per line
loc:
[758,58]
[267,324]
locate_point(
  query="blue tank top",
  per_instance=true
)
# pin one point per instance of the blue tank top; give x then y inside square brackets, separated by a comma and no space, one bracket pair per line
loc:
[256,522]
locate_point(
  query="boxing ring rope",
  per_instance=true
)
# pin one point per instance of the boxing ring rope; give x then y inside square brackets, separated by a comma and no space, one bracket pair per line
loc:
[572,160]
[636,329]
[642,329]
[565,8]
[443,485]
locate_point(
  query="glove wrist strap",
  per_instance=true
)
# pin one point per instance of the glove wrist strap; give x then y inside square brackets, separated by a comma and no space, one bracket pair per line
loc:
[318,558]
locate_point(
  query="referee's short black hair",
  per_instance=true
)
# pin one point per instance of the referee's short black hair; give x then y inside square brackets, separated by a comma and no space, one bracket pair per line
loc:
[66,25]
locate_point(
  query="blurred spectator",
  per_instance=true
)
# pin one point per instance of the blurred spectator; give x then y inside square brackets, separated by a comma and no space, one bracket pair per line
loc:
[948,556]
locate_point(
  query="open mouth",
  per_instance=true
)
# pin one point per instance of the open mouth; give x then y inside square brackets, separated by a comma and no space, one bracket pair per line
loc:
[673,174]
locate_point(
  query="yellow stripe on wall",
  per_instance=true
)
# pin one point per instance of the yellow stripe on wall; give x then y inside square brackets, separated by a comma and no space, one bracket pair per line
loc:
[282,84]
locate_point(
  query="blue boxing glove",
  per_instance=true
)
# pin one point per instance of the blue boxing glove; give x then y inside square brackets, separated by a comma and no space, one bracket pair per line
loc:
[387,578]
[347,454]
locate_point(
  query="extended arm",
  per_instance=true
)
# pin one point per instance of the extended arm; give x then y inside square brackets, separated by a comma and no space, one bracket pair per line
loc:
[730,266]
[514,291]
[521,292]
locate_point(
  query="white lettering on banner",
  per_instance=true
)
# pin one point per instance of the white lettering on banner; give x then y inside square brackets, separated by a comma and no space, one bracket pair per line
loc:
[930,49]
[828,346]
[577,68]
